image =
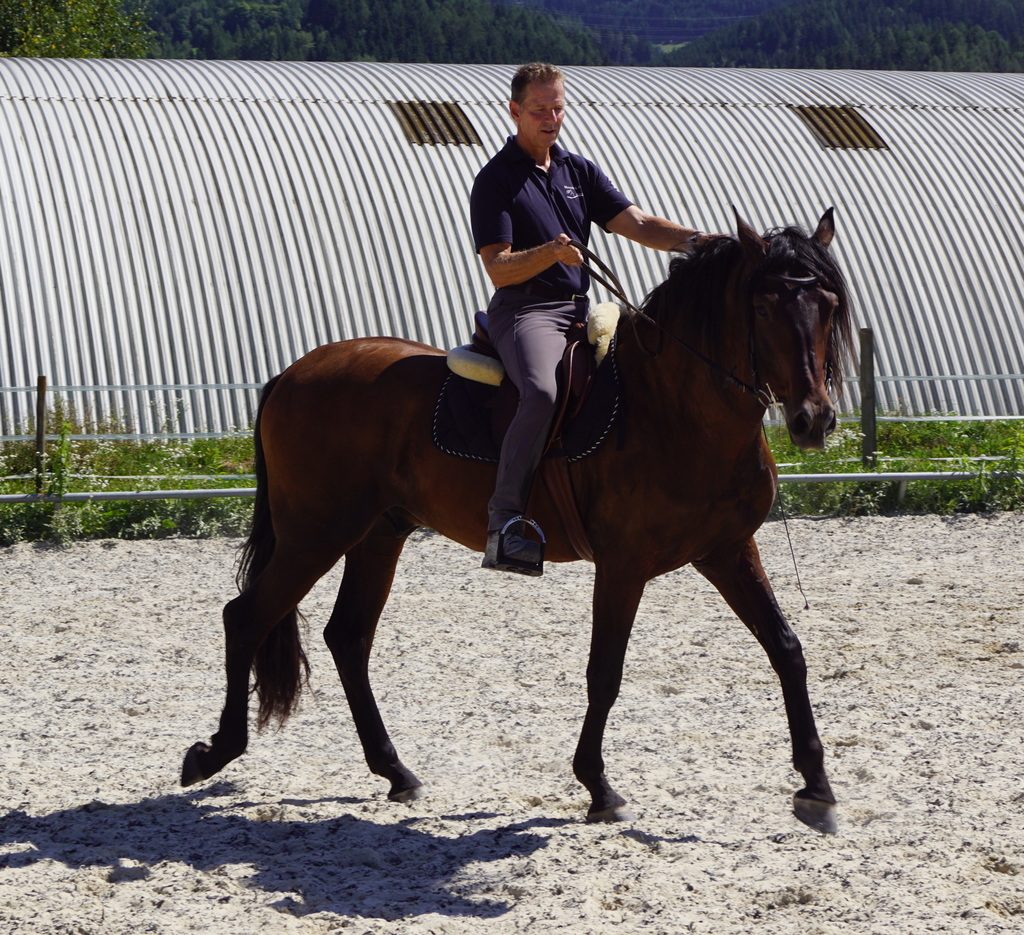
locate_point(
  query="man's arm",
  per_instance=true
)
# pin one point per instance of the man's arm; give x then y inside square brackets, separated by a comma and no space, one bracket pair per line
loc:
[651,231]
[509,269]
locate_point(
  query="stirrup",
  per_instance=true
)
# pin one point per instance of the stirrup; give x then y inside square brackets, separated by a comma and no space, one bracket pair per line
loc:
[497,558]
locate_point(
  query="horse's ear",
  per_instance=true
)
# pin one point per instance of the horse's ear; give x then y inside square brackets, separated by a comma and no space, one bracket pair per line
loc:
[826,228]
[752,241]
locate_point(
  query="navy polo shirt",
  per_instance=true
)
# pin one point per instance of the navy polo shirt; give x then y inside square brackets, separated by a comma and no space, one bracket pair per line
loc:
[516,202]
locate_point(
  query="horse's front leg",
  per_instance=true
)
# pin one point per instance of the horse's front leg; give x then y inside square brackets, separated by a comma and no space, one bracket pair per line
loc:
[741,580]
[617,593]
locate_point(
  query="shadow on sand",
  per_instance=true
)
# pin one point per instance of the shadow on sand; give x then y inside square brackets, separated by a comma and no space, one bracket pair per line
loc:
[344,865]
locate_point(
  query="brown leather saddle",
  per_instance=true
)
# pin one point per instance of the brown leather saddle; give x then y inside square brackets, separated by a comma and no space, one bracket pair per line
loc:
[471,417]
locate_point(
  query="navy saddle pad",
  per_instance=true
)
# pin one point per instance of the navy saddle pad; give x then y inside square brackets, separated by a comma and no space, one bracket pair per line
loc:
[470,418]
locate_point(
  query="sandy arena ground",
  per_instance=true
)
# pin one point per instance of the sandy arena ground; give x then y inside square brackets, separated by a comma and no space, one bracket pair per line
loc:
[110,667]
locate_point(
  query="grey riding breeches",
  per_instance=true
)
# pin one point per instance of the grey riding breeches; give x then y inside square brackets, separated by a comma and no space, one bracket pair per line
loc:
[529,334]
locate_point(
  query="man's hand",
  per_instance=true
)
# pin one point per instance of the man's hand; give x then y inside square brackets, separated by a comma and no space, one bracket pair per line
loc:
[695,240]
[509,269]
[565,252]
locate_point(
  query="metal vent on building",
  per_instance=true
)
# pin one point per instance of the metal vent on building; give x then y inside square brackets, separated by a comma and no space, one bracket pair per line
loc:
[435,123]
[840,127]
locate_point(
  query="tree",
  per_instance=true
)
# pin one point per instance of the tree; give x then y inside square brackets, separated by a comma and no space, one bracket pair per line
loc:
[975,35]
[381,30]
[73,29]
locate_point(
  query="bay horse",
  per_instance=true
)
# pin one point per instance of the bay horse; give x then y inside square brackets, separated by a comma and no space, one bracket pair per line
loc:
[346,466]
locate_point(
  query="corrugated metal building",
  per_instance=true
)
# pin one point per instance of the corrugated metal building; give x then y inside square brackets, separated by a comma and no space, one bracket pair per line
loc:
[174,233]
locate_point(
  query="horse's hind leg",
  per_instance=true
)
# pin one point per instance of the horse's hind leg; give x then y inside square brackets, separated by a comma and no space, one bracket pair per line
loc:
[741,580]
[365,586]
[271,601]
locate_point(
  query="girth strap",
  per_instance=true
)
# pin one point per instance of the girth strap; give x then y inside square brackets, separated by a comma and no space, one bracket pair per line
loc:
[555,474]
[555,471]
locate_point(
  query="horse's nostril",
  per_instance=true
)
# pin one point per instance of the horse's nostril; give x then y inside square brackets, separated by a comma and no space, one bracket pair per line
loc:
[830,426]
[800,424]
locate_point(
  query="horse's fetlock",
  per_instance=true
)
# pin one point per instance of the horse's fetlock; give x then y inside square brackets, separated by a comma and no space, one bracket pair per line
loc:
[229,746]
[588,770]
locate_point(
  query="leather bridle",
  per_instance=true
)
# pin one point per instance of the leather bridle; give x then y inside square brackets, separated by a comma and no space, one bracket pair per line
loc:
[792,287]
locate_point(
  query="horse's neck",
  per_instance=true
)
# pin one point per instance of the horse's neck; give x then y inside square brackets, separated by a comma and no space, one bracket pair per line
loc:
[676,387]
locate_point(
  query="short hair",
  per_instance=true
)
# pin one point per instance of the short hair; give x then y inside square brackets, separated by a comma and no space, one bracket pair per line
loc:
[533,72]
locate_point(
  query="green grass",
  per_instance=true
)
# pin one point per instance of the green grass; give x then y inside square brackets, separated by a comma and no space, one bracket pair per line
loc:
[152,465]
[73,466]
[908,446]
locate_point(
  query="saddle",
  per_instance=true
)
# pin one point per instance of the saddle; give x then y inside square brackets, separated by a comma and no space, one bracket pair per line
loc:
[476,405]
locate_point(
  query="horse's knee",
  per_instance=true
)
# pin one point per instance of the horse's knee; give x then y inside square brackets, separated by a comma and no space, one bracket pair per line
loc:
[791,662]
[785,652]
[603,686]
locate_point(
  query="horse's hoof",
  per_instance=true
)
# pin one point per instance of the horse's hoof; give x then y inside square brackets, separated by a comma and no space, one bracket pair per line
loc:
[191,772]
[821,816]
[409,794]
[611,814]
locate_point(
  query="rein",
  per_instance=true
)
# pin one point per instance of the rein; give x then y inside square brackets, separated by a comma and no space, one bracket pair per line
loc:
[790,285]
[615,287]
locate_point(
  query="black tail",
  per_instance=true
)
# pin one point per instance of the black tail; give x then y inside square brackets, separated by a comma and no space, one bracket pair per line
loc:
[280,665]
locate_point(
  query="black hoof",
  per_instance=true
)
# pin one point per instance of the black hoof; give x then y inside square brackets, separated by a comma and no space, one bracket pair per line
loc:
[406,793]
[821,816]
[612,814]
[609,806]
[191,771]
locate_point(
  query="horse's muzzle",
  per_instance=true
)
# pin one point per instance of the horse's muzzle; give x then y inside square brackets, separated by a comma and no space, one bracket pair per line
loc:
[810,424]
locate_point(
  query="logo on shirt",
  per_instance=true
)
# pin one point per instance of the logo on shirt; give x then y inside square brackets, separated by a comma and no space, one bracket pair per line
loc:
[570,192]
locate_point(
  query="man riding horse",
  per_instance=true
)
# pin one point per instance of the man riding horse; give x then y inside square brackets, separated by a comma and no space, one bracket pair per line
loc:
[527,204]
[347,465]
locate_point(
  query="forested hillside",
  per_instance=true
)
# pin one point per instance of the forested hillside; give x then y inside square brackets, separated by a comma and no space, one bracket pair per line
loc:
[636,31]
[567,31]
[923,35]
[947,35]
[662,22]
[383,30]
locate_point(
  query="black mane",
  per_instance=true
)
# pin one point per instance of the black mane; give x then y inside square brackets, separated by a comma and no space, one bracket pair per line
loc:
[696,288]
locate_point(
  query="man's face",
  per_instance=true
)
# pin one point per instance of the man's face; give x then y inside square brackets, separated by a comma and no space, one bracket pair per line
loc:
[539,117]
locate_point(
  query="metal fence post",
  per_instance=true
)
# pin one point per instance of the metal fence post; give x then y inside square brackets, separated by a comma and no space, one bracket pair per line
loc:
[40,431]
[868,428]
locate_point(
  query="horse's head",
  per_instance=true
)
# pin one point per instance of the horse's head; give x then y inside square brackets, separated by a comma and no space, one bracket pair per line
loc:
[799,324]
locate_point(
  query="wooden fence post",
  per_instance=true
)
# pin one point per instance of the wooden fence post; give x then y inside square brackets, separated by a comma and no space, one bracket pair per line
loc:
[40,431]
[868,428]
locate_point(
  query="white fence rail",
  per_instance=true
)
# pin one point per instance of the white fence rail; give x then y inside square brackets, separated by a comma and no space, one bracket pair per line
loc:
[85,496]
